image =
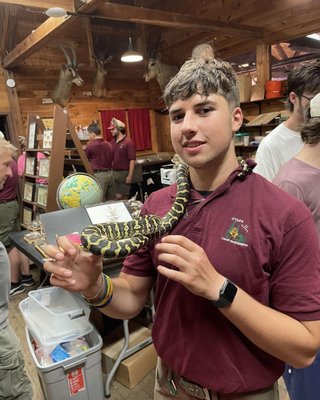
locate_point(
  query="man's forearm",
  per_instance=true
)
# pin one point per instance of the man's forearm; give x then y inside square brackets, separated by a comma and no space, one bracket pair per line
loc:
[129,296]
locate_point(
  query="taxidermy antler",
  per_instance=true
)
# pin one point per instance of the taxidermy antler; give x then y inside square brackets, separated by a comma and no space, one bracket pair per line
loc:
[99,88]
[68,76]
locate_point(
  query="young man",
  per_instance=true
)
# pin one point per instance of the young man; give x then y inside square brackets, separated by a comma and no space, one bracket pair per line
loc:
[301,178]
[284,142]
[237,285]
[14,383]
[124,159]
[100,155]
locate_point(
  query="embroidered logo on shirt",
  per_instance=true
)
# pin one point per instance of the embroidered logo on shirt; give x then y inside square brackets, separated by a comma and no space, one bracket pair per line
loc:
[236,233]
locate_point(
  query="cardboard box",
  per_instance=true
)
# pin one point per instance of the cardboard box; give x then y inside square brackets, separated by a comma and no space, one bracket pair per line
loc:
[134,368]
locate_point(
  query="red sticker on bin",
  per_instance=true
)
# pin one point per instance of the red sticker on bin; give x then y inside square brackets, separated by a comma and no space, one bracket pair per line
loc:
[76,381]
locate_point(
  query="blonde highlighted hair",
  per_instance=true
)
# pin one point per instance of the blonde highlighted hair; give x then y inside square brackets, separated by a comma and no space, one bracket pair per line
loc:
[8,147]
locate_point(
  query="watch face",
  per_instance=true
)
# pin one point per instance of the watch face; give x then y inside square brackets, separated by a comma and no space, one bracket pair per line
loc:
[227,294]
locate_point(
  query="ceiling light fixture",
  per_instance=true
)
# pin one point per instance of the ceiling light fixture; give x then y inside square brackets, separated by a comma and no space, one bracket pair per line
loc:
[315,36]
[56,12]
[131,55]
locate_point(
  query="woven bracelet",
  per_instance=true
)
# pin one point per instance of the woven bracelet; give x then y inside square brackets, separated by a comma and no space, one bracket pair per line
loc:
[108,293]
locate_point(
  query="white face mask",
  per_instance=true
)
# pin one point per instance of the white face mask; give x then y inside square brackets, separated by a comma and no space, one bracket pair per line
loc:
[315,106]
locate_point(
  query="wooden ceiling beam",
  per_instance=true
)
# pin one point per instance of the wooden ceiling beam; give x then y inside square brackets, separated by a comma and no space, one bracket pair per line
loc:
[36,40]
[119,12]
[43,34]
[42,4]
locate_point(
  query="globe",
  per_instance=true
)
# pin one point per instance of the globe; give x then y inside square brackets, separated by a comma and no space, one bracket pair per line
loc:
[77,190]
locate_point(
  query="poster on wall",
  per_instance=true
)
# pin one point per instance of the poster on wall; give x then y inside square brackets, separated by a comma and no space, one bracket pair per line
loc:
[42,193]
[47,139]
[32,135]
[28,191]
[26,216]
[30,165]
[44,164]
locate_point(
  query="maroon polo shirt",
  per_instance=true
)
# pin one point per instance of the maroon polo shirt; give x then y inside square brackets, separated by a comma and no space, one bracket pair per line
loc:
[124,152]
[255,235]
[100,154]
[9,191]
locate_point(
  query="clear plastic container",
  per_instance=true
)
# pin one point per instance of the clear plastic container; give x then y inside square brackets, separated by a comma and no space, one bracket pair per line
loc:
[55,315]
[78,377]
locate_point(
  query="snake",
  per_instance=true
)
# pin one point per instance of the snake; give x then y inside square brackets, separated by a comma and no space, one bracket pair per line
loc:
[119,239]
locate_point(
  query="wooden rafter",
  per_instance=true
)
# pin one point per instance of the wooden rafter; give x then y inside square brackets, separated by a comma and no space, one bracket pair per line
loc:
[4,31]
[42,4]
[119,12]
[43,34]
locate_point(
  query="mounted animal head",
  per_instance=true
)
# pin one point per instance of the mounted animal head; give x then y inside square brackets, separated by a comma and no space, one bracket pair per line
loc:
[160,71]
[68,76]
[99,87]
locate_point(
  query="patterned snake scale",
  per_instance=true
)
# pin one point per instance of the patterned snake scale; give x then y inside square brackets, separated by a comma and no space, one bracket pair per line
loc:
[113,240]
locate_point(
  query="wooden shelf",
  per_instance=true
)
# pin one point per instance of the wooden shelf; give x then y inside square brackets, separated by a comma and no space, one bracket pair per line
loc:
[63,135]
[244,103]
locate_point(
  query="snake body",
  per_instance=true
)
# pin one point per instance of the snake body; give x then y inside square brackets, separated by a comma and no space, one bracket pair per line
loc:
[113,240]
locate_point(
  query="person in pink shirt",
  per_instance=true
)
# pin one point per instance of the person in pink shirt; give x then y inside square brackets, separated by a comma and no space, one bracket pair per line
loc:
[300,177]
[22,159]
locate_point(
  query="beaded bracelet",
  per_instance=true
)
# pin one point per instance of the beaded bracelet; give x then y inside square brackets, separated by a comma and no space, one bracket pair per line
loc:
[106,296]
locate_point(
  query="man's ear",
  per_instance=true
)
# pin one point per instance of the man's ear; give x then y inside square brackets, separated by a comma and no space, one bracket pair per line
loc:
[293,97]
[237,119]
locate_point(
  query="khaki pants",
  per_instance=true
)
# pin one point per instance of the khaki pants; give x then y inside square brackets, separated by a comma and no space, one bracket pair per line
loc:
[105,178]
[161,391]
[120,177]
[14,382]
[9,220]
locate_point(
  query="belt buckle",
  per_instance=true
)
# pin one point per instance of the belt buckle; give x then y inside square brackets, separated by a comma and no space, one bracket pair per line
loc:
[193,389]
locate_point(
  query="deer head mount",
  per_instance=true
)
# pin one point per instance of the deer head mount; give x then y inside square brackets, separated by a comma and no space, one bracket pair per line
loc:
[99,87]
[68,76]
[160,71]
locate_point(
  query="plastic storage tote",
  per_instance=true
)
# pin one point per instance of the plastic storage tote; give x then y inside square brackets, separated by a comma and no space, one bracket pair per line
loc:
[54,315]
[78,377]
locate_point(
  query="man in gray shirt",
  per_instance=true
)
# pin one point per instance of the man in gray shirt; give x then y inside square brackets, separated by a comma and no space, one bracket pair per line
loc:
[14,382]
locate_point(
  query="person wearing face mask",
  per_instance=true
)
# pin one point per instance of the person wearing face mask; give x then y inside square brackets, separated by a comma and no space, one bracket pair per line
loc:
[124,159]
[300,177]
[284,142]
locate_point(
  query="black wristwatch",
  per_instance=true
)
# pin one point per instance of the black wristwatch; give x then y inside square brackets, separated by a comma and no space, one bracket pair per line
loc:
[226,294]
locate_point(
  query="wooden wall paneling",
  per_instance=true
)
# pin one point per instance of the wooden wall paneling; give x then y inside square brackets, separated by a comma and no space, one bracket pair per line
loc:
[263,65]
[4,30]
[60,122]
[163,132]
[273,105]
[4,100]
[154,132]
[14,107]
[79,148]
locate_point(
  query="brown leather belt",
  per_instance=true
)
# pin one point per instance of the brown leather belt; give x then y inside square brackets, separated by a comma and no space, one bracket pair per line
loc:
[199,392]
[102,170]
[6,201]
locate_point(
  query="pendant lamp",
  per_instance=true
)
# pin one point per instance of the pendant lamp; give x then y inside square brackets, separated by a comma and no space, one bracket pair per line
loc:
[131,55]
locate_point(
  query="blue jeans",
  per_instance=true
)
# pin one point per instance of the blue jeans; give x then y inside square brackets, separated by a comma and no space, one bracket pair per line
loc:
[303,383]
